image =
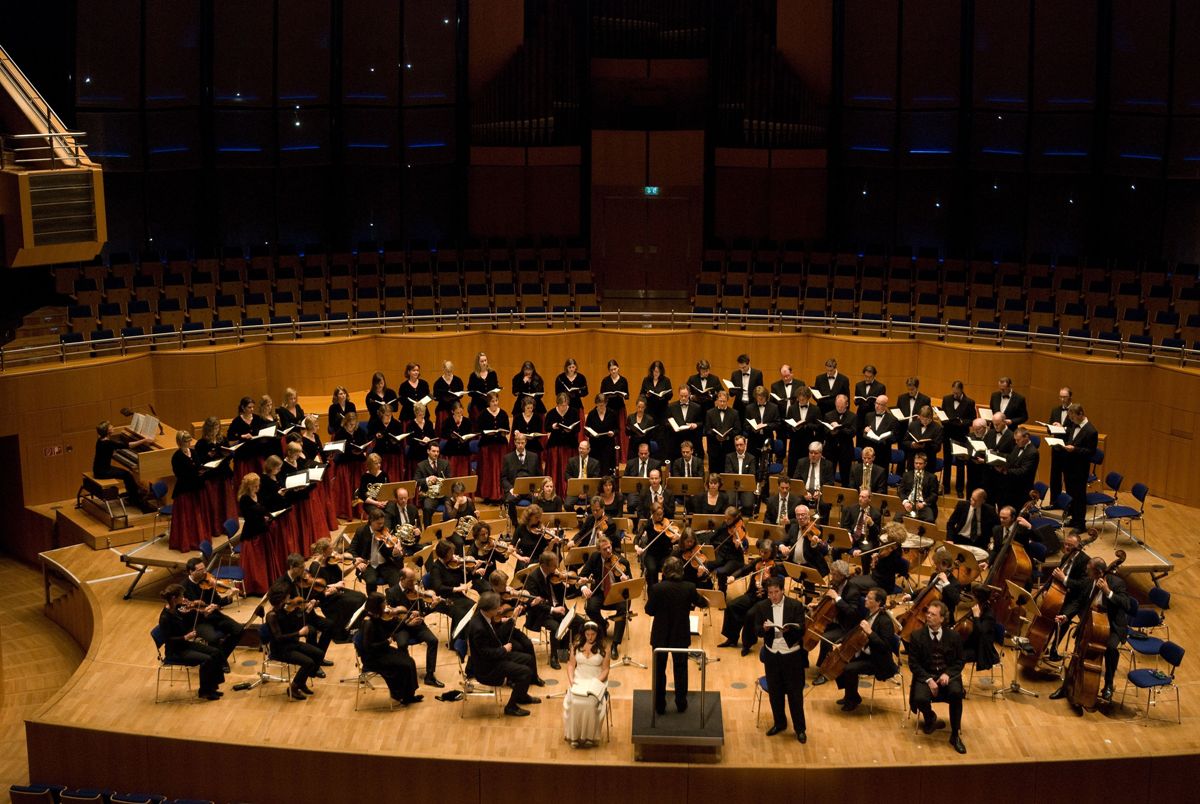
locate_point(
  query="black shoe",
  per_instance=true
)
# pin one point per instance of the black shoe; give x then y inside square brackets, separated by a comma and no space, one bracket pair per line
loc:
[745,650]
[660,710]
[801,737]
[771,732]
[320,673]
[210,695]
[851,705]
[819,680]
[1053,656]
[1107,694]
[616,654]
[537,682]
[729,643]
[431,681]
[957,742]
[1061,692]
[681,706]
[512,710]
[932,724]
[412,699]
[293,694]
[326,663]
[307,690]
[554,663]
[529,699]
[225,668]
[343,638]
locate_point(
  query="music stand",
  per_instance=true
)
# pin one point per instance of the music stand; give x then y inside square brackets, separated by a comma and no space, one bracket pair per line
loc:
[685,486]
[560,520]
[967,568]
[583,487]
[463,623]
[578,555]
[839,496]
[439,531]
[419,558]
[840,537]
[888,504]
[715,599]
[1024,600]
[520,575]
[528,486]
[803,572]
[739,483]
[624,591]
[634,484]
[387,493]
[707,521]
[758,530]
[470,484]
[930,530]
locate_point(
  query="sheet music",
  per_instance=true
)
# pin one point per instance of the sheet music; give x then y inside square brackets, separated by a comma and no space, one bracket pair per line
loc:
[144,425]
[316,473]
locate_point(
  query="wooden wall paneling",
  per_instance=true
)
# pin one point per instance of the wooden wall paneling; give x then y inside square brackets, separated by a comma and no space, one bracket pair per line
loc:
[1132,774]
[618,159]
[676,158]
[805,36]
[495,30]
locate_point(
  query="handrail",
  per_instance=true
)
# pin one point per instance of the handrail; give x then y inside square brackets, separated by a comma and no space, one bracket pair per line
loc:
[39,111]
[458,321]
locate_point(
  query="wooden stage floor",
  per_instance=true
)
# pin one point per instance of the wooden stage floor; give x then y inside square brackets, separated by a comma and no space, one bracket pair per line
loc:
[115,693]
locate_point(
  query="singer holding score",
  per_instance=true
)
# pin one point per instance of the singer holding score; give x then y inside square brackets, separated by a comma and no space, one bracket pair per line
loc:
[780,622]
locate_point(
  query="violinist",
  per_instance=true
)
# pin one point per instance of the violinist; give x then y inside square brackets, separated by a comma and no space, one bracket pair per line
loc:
[730,543]
[377,555]
[687,550]
[547,606]
[303,593]
[595,525]
[658,536]
[487,552]
[286,621]
[737,611]
[533,539]
[1072,573]
[876,655]
[1103,591]
[936,664]
[805,541]
[513,605]
[493,661]
[183,644]
[656,494]
[846,591]
[888,562]
[863,521]
[603,569]
[380,623]
[413,629]
[784,657]
[978,630]
[210,624]
[336,601]
[521,462]
[448,580]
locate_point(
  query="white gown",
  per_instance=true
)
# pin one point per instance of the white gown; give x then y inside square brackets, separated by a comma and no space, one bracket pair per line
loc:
[583,715]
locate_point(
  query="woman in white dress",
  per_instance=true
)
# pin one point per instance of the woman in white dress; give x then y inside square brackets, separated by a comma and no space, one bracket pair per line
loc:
[586,703]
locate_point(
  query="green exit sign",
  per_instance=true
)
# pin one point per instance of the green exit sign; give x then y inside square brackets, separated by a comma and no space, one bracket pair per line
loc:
[650,190]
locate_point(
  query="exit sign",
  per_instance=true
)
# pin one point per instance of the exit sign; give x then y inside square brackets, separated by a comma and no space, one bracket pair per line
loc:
[650,190]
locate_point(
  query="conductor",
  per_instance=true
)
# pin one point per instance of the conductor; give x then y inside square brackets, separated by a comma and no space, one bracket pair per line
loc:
[670,602]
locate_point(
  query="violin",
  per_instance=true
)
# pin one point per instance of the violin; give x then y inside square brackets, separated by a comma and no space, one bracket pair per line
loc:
[812,533]
[210,581]
[458,562]
[294,604]
[313,583]
[564,577]
[386,539]
[666,526]
[738,534]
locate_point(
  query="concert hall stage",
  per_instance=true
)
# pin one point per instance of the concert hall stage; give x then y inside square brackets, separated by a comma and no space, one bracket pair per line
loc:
[104,729]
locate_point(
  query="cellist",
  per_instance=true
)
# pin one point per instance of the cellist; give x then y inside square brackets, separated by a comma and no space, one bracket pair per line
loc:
[1103,591]
[876,656]
[1072,573]
[846,591]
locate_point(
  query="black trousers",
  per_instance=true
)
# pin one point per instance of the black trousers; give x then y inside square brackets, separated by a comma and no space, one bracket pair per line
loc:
[660,680]
[595,609]
[951,466]
[386,574]
[306,657]
[848,680]
[414,634]
[735,623]
[457,607]
[220,631]
[920,699]
[208,659]
[397,669]
[339,608]
[651,564]
[785,682]
[723,571]
[1077,488]
[518,669]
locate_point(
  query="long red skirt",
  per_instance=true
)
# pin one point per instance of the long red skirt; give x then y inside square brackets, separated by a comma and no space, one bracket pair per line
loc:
[556,466]
[460,466]
[254,563]
[244,466]
[622,436]
[323,493]
[346,475]
[395,466]
[190,523]
[490,457]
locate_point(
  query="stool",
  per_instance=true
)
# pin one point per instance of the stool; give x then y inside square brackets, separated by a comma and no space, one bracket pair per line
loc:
[102,498]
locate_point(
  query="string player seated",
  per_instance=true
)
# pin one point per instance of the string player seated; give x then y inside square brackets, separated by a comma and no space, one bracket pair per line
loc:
[420,603]
[603,569]
[737,620]
[876,656]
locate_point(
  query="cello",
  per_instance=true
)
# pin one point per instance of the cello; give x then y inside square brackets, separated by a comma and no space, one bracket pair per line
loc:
[1050,598]
[1085,672]
[851,645]
[1012,564]
[818,620]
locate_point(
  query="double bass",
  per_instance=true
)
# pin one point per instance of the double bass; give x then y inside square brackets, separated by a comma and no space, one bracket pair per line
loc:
[1050,598]
[1085,671]
[1012,564]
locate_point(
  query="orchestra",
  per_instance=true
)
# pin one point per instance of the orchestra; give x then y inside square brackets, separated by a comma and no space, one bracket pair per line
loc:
[742,428]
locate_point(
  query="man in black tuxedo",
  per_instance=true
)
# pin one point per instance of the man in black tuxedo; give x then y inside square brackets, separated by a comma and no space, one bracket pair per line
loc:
[745,379]
[656,494]
[670,602]
[375,563]
[876,475]
[741,462]
[960,412]
[687,464]
[839,442]
[1021,468]
[972,521]
[783,390]
[847,591]
[1010,403]
[400,511]
[807,428]
[433,467]
[720,426]
[639,465]
[918,491]
[1079,448]
[548,604]
[766,421]
[780,621]
[1011,527]
[812,473]
[912,400]
[881,430]
[496,663]
[780,504]
[831,385]
[704,386]
[1060,414]
[1106,591]
[924,435]
[521,462]
[999,440]
[876,657]
[1072,573]
[414,629]
[602,569]
[689,416]
[866,391]
[935,661]
[863,521]
[217,629]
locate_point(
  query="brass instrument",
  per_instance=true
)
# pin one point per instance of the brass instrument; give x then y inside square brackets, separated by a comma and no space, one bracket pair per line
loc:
[373,490]
[434,488]
[464,526]
[408,536]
